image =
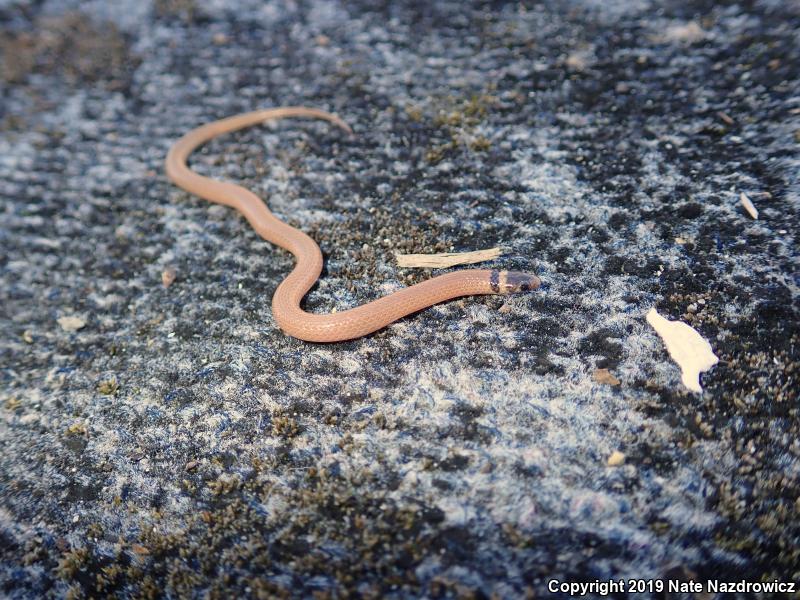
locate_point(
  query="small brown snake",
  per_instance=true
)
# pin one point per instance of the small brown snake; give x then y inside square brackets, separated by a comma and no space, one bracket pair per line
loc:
[289,316]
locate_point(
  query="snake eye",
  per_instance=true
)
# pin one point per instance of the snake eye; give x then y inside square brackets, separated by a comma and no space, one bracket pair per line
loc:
[512,282]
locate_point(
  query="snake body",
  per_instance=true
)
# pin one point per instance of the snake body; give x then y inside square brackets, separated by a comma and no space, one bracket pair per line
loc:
[286,310]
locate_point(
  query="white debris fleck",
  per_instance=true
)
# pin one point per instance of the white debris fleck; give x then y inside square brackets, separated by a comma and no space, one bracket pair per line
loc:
[686,347]
[71,323]
[616,459]
[748,205]
[689,33]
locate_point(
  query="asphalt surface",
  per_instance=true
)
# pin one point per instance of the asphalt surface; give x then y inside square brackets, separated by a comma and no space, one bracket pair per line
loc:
[171,440]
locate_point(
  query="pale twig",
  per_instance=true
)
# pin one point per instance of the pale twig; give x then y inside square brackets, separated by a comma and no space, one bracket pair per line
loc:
[446,259]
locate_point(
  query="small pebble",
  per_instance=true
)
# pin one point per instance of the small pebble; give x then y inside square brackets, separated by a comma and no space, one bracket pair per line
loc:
[616,459]
[168,276]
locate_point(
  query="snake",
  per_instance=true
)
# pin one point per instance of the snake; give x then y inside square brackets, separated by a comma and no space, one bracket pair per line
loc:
[287,312]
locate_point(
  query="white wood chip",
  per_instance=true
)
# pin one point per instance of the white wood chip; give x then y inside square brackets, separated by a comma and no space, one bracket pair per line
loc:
[748,205]
[686,347]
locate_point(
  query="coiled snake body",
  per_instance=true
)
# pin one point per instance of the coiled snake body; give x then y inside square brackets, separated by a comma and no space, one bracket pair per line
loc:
[286,310]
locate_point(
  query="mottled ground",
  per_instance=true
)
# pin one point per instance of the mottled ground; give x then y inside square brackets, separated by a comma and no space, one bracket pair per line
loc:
[171,440]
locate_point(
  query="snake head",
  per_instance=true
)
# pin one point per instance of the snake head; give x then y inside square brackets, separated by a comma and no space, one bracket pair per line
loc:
[511,282]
